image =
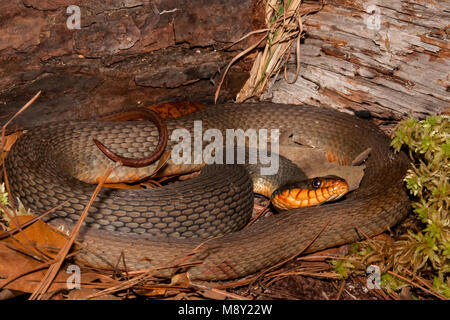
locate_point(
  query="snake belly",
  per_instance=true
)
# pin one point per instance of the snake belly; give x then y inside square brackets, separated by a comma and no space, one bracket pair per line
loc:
[44,162]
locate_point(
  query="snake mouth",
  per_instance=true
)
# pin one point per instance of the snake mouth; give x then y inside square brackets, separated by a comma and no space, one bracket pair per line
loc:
[309,193]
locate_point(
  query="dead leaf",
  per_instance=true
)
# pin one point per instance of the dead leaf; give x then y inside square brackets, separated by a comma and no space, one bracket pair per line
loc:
[11,139]
[7,294]
[180,280]
[43,236]
[13,263]
[361,157]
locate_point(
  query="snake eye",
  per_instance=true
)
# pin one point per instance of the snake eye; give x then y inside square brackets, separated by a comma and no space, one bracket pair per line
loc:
[316,183]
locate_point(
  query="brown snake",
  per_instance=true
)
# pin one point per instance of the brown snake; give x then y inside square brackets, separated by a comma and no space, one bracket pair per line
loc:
[44,161]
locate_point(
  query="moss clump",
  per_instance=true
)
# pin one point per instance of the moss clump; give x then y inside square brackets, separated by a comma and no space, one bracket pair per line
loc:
[20,211]
[3,195]
[428,142]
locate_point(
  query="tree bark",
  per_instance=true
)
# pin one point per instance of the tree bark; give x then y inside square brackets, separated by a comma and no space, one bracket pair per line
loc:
[391,59]
[126,53]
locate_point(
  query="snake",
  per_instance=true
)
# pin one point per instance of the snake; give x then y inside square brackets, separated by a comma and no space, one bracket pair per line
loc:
[195,226]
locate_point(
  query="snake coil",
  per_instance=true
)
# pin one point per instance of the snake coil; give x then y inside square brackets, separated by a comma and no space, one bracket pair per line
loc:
[44,162]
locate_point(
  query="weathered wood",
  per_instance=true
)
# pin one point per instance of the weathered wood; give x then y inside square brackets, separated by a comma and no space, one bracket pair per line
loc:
[349,62]
[130,52]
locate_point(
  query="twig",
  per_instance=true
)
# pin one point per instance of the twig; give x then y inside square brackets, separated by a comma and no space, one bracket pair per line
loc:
[391,294]
[20,111]
[436,294]
[341,288]
[362,232]
[246,36]
[419,279]
[258,215]
[236,283]
[353,297]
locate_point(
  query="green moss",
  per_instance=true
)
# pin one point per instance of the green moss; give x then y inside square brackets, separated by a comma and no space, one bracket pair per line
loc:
[343,267]
[389,282]
[3,195]
[4,200]
[428,181]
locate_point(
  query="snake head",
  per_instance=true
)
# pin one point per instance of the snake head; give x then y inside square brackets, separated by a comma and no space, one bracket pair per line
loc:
[309,192]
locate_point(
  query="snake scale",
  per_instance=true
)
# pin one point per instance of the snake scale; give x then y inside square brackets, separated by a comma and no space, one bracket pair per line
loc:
[44,162]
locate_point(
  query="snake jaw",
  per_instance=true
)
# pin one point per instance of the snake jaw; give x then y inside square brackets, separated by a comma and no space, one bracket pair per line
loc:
[337,188]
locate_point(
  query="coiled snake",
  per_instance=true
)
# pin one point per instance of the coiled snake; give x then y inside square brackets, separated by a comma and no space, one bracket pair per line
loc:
[44,161]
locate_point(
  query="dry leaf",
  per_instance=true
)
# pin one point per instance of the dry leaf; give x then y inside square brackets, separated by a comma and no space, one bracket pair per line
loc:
[13,263]
[11,139]
[180,280]
[43,236]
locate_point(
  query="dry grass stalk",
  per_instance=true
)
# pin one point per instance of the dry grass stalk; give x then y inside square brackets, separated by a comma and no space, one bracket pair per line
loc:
[284,27]
[261,212]
[341,289]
